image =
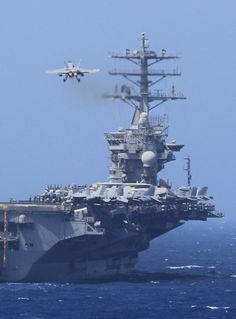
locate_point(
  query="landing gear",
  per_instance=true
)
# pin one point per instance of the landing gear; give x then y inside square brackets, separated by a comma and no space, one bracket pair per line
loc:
[78,79]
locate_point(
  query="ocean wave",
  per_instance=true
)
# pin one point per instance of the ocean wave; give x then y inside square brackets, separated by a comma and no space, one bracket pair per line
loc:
[233,276]
[184,267]
[23,298]
[217,308]
[210,307]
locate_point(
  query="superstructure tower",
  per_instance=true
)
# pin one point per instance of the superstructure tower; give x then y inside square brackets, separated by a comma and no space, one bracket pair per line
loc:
[140,152]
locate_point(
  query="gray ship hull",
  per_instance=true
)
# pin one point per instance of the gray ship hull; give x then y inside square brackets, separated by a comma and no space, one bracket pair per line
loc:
[47,244]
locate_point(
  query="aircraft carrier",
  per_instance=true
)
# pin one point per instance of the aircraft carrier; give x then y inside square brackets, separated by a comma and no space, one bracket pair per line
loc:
[95,232]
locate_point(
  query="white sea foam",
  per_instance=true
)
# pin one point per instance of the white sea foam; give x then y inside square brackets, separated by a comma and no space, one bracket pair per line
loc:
[216,308]
[184,267]
[23,298]
[233,276]
[211,307]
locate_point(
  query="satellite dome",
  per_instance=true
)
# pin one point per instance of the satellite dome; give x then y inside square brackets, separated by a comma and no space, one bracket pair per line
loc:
[149,158]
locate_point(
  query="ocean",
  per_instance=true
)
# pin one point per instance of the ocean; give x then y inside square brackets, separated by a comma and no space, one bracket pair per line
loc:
[187,273]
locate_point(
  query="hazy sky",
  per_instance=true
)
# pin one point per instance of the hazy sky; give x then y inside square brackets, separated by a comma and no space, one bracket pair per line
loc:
[52,132]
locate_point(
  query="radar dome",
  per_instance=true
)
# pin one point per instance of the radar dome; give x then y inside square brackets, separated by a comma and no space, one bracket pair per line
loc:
[142,118]
[149,158]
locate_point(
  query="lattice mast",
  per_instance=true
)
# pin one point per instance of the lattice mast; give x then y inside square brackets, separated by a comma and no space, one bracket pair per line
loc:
[144,58]
[140,152]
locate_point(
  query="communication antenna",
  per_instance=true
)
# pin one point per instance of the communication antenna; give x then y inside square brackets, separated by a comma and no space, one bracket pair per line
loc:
[5,236]
[188,169]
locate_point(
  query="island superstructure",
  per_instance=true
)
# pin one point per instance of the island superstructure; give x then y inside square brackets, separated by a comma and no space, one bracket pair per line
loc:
[140,152]
[95,232]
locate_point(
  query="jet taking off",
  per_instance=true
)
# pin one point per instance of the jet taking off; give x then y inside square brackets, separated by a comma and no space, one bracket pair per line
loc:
[71,70]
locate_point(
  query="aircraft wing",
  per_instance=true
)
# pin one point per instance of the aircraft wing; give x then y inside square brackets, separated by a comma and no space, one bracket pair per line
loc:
[81,70]
[57,71]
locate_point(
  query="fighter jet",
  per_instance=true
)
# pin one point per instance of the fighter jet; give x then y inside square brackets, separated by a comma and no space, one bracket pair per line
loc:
[71,70]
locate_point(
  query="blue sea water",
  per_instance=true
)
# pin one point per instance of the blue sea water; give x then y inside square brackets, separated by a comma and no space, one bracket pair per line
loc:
[187,273]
